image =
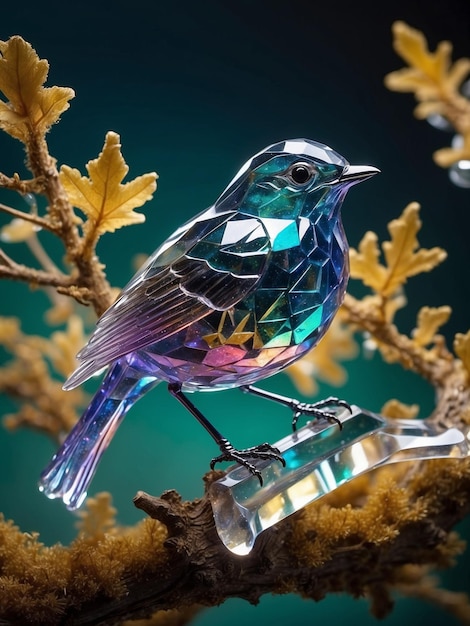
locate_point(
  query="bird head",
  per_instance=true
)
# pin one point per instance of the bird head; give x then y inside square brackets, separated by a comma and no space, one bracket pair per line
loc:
[292,178]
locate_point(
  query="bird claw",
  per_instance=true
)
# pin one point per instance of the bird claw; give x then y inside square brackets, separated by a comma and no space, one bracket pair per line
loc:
[263,451]
[317,409]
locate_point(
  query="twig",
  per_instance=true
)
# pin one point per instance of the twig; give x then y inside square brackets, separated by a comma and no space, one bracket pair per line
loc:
[15,183]
[42,222]
[16,271]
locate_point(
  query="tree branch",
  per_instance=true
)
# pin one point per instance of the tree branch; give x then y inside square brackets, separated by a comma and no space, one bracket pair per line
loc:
[28,217]
[17,271]
[204,572]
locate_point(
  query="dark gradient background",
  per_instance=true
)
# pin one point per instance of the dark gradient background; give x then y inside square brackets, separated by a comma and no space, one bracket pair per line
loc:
[194,89]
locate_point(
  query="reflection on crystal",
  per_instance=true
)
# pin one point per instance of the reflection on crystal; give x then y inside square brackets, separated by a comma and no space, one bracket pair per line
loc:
[439,122]
[319,458]
[271,512]
[301,493]
[459,174]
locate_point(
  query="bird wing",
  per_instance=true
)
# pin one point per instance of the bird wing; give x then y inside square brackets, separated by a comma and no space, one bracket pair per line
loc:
[209,264]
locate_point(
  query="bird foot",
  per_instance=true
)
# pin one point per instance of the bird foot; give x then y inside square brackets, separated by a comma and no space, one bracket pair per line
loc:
[318,410]
[244,457]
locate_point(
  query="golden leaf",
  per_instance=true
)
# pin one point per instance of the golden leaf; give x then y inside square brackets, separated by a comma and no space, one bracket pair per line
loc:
[462,348]
[430,75]
[435,83]
[60,311]
[397,410]
[321,363]
[445,157]
[29,106]
[364,263]
[28,379]
[17,230]
[403,257]
[429,320]
[9,331]
[107,203]
[63,346]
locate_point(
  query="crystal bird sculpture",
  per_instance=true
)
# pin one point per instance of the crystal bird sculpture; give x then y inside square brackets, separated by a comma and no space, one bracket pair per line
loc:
[233,296]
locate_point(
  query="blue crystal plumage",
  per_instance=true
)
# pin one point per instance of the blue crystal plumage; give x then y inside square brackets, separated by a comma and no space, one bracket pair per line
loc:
[233,296]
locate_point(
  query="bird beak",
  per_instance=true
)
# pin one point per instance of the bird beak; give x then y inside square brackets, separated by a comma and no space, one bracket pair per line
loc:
[357,173]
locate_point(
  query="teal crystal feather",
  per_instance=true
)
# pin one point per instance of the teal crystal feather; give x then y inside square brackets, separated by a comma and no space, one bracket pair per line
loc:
[233,296]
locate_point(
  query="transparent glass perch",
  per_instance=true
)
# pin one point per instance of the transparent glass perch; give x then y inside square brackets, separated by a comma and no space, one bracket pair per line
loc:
[319,458]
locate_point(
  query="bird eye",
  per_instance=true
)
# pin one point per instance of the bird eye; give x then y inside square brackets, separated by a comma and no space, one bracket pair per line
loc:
[301,173]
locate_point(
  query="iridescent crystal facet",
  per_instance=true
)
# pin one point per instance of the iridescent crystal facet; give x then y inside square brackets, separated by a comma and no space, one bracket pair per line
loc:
[319,458]
[233,296]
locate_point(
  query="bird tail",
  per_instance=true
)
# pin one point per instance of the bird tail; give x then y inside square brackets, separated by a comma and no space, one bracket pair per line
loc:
[72,468]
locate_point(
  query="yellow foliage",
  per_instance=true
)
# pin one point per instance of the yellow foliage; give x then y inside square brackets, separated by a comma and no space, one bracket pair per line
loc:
[28,377]
[107,203]
[429,320]
[387,508]
[63,346]
[398,410]
[429,75]
[38,582]
[462,348]
[17,231]
[403,257]
[435,81]
[30,106]
[9,331]
[321,363]
[98,517]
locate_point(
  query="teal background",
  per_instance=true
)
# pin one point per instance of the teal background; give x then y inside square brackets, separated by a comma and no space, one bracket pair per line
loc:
[194,89]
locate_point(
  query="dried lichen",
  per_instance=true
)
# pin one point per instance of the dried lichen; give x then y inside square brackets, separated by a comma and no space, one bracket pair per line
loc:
[436,83]
[38,584]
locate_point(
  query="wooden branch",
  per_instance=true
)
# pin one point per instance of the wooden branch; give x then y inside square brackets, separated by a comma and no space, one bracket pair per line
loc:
[91,279]
[15,183]
[202,571]
[28,217]
[17,271]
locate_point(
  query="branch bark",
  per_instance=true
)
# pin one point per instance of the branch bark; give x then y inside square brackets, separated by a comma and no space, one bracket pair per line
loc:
[204,572]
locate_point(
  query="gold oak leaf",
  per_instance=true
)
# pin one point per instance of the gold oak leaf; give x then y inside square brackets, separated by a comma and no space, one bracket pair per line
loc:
[445,157]
[398,410]
[403,257]
[431,76]
[107,203]
[18,230]
[462,348]
[435,82]
[27,377]
[429,320]
[63,346]
[30,106]
[321,363]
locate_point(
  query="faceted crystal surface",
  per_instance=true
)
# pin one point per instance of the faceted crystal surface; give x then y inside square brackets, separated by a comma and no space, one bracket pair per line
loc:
[233,296]
[243,289]
[292,305]
[319,458]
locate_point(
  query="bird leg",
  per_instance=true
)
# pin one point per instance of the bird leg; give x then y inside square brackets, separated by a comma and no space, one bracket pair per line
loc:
[228,451]
[314,409]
